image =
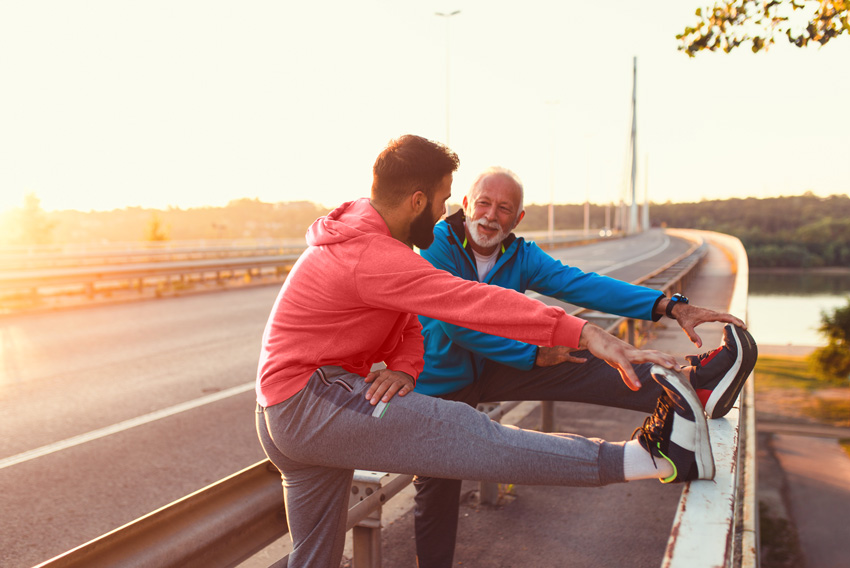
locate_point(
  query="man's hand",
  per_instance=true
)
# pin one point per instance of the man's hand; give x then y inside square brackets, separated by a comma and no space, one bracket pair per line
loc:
[620,354]
[548,356]
[689,317]
[386,384]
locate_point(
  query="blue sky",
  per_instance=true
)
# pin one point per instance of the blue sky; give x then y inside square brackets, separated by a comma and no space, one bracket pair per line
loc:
[112,103]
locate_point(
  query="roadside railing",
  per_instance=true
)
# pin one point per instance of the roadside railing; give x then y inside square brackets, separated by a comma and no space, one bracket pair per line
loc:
[716,523]
[30,278]
[136,276]
[233,519]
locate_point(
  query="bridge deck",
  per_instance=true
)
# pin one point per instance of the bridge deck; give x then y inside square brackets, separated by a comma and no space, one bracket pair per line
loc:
[552,527]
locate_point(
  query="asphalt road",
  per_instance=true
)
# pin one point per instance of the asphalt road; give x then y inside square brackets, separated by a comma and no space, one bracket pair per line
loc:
[110,412]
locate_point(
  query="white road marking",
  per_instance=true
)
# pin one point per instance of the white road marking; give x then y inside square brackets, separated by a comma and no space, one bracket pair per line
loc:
[664,244]
[122,426]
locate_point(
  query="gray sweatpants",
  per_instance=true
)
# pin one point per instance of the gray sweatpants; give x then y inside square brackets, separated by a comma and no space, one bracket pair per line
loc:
[321,435]
[595,382]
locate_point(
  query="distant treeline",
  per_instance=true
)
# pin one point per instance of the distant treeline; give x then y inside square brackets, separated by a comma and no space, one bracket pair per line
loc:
[240,219]
[800,231]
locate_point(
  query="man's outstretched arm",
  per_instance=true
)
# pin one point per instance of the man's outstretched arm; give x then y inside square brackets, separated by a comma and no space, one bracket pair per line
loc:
[621,355]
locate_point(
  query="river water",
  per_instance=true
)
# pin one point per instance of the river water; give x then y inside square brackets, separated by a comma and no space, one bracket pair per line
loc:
[785,307]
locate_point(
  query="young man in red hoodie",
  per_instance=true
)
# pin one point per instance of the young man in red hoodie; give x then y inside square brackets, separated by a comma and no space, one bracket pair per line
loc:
[352,301]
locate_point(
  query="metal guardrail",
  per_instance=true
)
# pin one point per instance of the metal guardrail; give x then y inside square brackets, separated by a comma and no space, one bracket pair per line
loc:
[68,248]
[229,521]
[28,278]
[220,525]
[89,277]
[138,255]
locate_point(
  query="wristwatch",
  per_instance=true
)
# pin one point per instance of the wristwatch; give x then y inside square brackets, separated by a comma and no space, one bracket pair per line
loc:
[674,299]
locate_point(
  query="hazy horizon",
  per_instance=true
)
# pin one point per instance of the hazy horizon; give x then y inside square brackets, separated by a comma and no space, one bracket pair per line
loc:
[201,103]
[452,201]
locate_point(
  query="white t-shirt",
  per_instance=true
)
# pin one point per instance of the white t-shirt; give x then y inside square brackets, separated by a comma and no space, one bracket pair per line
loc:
[485,263]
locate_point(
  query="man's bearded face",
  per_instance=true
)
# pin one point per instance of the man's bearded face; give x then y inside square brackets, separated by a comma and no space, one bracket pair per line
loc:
[486,240]
[422,227]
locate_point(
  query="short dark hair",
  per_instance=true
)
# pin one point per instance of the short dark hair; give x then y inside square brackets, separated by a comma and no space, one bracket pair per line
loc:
[408,164]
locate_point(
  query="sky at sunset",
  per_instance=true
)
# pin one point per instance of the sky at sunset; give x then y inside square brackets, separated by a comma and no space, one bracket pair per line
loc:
[109,104]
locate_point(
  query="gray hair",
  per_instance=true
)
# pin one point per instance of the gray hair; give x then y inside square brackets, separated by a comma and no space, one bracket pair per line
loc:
[498,170]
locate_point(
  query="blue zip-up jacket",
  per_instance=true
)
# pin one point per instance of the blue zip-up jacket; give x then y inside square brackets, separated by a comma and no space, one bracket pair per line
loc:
[454,356]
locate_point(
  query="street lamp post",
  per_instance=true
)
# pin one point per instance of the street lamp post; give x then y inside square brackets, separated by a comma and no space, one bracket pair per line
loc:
[447,16]
[551,221]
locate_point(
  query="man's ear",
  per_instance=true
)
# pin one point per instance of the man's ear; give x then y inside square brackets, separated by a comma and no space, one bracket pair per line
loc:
[521,215]
[418,201]
[465,203]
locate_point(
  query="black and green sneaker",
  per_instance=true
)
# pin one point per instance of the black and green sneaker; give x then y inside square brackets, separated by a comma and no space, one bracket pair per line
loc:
[677,430]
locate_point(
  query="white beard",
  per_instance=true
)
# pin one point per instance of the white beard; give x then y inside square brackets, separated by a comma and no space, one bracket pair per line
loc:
[480,239]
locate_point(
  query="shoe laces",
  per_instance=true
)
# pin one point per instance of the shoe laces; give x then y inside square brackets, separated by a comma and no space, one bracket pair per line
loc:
[704,358]
[653,426]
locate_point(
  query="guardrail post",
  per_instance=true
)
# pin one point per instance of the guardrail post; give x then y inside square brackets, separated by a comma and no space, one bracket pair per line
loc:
[547,416]
[488,492]
[367,533]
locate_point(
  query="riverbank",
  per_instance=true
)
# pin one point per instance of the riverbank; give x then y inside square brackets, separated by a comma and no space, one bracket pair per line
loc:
[788,350]
[818,270]
[786,392]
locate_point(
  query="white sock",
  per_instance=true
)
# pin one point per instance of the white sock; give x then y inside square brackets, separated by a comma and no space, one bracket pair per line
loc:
[638,463]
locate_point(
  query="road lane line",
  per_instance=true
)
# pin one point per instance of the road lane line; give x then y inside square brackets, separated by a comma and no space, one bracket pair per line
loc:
[636,259]
[122,426]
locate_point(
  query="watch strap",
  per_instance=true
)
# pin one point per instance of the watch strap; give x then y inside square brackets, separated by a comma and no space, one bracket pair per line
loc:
[675,299]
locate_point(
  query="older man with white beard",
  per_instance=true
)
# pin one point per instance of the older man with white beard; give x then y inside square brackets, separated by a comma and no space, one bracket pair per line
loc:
[477,243]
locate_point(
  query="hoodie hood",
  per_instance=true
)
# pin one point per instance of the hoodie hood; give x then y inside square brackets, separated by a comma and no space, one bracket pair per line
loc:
[348,221]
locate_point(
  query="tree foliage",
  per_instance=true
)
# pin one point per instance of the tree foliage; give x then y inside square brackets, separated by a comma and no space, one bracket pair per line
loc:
[833,361]
[33,226]
[794,231]
[240,219]
[800,231]
[732,23]
[155,231]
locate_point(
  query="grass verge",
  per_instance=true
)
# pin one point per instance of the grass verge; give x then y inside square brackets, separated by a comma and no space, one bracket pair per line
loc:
[819,399]
[780,547]
[773,372]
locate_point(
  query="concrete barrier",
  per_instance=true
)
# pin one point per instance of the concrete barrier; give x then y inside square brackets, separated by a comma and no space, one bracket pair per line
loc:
[716,523]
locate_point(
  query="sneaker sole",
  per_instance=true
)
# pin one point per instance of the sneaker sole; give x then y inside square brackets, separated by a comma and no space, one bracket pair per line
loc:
[702,443]
[726,392]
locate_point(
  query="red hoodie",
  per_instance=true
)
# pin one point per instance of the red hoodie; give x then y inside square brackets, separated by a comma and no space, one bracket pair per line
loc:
[352,299]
